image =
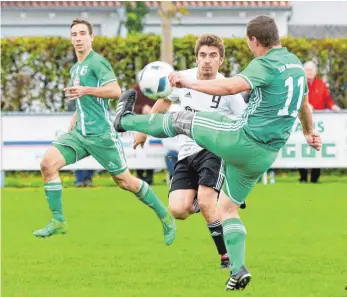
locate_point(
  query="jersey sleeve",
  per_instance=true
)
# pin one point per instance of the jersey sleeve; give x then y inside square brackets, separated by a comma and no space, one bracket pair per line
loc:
[175,95]
[257,73]
[105,73]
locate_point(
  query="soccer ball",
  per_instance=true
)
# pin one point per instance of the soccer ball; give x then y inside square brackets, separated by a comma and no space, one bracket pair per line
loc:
[154,82]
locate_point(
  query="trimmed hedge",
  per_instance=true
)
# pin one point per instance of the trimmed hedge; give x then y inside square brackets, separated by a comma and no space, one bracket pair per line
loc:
[35,70]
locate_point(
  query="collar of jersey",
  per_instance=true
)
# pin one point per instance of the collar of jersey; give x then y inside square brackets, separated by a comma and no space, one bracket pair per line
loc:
[86,58]
[276,49]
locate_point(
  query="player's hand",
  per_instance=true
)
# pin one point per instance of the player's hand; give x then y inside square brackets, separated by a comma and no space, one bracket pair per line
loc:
[139,139]
[314,140]
[74,93]
[177,80]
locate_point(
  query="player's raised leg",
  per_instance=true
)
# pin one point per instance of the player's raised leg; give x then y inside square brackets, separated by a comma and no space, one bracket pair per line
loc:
[52,161]
[211,125]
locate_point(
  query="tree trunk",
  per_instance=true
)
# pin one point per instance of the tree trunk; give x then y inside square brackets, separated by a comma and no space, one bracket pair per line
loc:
[166,29]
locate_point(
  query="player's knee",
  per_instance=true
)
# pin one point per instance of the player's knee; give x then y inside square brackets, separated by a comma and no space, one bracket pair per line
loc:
[47,166]
[226,207]
[125,184]
[126,181]
[179,212]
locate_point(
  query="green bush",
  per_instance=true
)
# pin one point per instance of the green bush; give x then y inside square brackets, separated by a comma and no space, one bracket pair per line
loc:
[37,69]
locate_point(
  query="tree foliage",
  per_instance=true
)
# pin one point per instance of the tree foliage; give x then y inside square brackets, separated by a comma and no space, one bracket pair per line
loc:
[34,71]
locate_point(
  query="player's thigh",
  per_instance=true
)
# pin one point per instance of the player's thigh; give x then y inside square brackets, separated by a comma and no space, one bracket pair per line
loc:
[107,149]
[238,183]
[215,132]
[184,177]
[207,197]
[71,147]
[181,201]
[210,171]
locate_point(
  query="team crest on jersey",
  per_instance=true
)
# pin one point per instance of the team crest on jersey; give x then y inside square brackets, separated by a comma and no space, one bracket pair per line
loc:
[84,70]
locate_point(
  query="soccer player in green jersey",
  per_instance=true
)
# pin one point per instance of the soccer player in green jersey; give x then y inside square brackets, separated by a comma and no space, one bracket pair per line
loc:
[248,146]
[93,83]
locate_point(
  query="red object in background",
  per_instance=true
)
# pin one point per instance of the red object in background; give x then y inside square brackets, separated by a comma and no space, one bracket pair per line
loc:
[319,96]
[141,100]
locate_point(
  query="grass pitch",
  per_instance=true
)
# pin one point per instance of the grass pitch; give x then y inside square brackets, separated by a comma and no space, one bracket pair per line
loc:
[296,245]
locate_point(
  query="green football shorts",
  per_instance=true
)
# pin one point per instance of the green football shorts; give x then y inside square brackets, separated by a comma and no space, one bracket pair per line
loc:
[106,148]
[245,160]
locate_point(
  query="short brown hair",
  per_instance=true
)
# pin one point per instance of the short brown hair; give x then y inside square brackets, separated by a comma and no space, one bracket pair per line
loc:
[79,21]
[210,40]
[264,29]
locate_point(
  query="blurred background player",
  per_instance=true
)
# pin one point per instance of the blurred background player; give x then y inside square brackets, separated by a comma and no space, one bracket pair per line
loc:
[198,176]
[320,99]
[91,133]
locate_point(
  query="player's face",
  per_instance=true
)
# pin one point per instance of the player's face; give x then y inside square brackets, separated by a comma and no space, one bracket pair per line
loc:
[208,60]
[80,38]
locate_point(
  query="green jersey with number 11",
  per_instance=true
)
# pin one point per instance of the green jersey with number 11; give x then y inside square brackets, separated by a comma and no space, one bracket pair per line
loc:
[278,85]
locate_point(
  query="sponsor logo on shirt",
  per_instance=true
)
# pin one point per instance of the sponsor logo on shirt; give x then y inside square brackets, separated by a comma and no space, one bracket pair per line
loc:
[188,95]
[188,108]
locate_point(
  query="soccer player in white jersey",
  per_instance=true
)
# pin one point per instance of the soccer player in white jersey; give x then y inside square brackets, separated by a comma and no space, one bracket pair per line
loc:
[198,176]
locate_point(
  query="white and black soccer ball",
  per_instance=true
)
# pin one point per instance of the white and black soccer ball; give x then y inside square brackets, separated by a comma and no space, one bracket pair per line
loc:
[154,82]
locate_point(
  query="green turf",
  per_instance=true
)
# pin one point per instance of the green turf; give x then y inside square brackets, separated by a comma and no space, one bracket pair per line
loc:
[296,246]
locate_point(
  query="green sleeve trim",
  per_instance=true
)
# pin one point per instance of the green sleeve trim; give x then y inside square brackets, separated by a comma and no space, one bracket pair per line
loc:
[113,79]
[246,78]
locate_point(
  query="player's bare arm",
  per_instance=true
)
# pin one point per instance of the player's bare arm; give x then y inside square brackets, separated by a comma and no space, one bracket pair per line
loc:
[161,105]
[305,116]
[110,90]
[218,87]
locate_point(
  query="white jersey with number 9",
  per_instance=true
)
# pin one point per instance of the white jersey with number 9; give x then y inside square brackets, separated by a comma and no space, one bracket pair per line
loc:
[191,100]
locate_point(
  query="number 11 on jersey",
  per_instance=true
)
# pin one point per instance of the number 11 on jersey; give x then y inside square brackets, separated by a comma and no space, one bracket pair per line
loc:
[289,83]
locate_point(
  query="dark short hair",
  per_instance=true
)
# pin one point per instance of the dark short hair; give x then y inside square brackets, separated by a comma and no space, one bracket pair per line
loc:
[79,21]
[264,29]
[210,40]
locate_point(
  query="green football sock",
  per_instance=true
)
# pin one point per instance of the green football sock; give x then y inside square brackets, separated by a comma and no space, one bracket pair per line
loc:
[148,197]
[235,241]
[157,125]
[53,191]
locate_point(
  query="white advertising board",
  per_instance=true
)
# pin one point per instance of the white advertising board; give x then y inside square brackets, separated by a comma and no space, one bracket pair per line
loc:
[25,138]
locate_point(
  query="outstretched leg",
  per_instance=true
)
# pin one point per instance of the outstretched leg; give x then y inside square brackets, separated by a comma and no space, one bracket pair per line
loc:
[204,127]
